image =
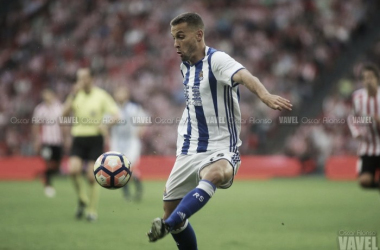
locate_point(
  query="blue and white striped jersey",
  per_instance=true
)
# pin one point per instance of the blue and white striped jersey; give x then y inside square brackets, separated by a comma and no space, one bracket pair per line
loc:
[211,119]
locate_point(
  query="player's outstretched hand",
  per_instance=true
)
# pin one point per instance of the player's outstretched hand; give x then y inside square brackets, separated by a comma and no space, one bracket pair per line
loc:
[277,102]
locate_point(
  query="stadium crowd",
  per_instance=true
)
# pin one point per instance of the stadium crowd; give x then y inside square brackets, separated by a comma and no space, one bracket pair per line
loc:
[333,137]
[284,43]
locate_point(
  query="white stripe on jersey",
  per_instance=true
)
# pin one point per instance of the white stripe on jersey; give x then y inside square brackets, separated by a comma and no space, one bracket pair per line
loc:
[366,106]
[211,101]
[51,134]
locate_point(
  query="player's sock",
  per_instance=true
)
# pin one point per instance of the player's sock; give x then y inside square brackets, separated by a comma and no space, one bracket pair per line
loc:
[139,189]
[185,237]
[375,184]
[48,174]
[94,197]
[191,203]
[79,188]
[126,192]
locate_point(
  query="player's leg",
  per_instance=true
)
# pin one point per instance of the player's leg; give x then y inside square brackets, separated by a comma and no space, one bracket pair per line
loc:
[133,154]
[95,149]
[47,154]
[366,180]
[138,188]
[216,171]
[367,169]
[212,176]
[52,167]
[176,215]
[126,190]
[94,192]
[183,234]
[182,179]
[75,170]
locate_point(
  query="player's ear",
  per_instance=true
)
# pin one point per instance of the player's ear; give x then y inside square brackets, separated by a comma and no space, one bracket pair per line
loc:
[199,35]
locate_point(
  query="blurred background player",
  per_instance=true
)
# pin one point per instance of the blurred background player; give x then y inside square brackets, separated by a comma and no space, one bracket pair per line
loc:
[366,103]
[47,134]
[125,137]
[88,105]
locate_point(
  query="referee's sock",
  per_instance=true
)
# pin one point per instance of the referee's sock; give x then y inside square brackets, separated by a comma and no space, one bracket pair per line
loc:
[185,237]
[191,203]
[48,175]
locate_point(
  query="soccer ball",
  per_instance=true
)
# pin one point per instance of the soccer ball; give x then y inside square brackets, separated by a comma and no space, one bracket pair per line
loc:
[112,170]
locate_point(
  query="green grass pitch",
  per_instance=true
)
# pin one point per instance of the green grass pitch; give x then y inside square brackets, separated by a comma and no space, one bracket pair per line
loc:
[302,213]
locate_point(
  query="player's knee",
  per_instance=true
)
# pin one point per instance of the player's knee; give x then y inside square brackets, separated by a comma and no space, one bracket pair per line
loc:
[75,165]
[217,176]
[73,170]
[91,178]
[90,172]
[365,182]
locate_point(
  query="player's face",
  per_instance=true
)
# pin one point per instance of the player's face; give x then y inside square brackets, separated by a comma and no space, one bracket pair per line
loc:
[369,79]
[84,78]
[185,40]
[47,96]
[121,95]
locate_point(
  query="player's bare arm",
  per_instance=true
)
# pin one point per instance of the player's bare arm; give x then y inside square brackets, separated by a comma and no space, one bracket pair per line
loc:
[255,86]
[36,139]
[69,101]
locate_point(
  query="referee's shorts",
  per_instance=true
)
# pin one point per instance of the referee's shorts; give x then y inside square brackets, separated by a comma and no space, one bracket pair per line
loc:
[87,147]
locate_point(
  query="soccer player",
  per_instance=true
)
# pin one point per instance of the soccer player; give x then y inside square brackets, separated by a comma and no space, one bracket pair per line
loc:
[89,104]
[207,154]
[364,126]
[47,136]
[125,137]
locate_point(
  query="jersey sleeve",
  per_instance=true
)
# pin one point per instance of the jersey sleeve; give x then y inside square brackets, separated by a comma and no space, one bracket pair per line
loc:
[110,106]
[36,112]
[354,129]
[224,67]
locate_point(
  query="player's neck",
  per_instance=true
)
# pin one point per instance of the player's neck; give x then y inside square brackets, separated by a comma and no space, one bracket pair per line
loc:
[88,89]
[199,55]
[371,92]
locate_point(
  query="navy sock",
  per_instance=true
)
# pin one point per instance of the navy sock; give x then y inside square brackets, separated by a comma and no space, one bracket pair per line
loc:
[186,239]
[191,203]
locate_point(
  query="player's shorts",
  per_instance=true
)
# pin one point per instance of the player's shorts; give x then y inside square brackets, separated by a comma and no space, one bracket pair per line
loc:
[368,164]
[184,176]
[87,147]
[51,152]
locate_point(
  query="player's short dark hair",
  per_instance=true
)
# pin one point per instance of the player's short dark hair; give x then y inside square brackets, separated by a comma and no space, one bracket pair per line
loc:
[192,19]
[371,67]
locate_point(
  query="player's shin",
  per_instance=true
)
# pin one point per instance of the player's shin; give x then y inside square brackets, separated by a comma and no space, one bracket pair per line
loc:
[191,203]
[79,188]
[94,198]
[185,237]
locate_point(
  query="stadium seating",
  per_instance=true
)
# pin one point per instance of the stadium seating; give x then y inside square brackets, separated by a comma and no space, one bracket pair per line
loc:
[128,43]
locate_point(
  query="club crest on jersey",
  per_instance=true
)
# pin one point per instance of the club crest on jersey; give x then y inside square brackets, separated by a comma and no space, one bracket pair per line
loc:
[201,76]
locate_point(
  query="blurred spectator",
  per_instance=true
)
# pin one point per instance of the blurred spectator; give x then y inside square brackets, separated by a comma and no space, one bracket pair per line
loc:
[336,106]
[284,43]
